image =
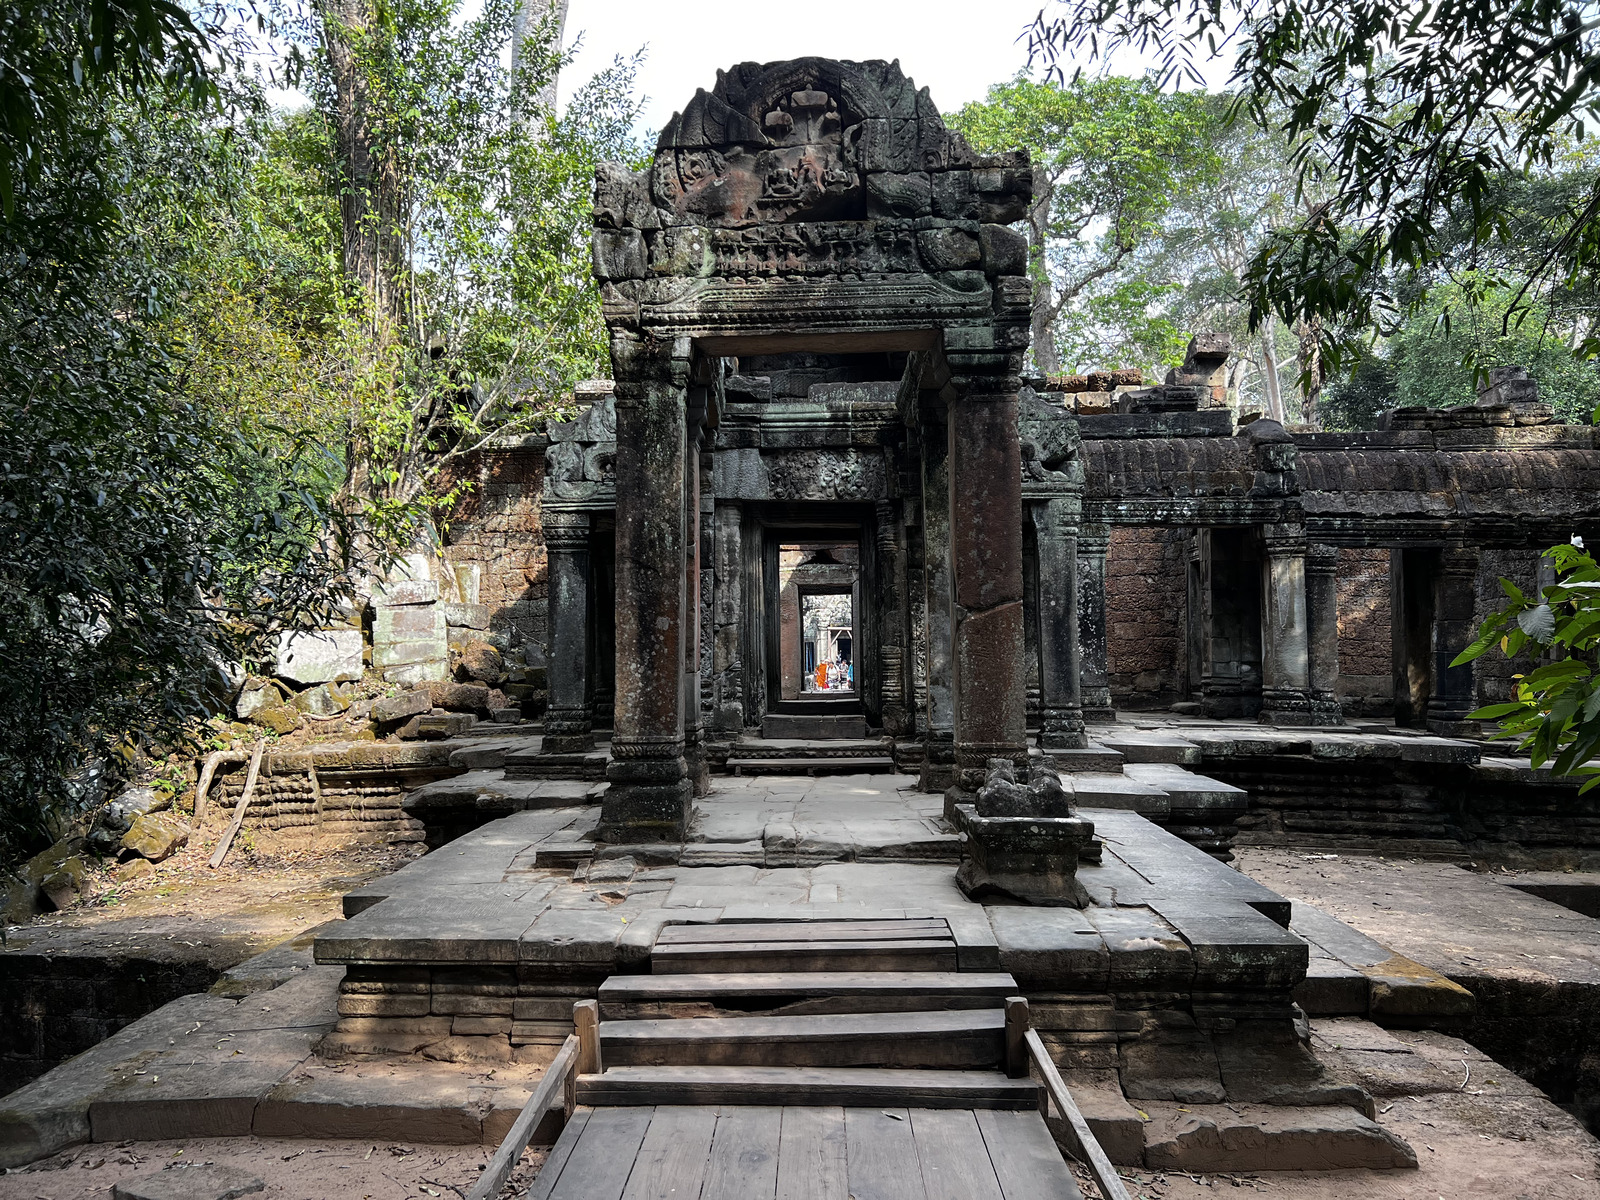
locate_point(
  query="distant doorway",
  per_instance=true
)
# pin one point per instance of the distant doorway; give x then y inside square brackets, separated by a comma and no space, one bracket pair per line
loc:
[818,586]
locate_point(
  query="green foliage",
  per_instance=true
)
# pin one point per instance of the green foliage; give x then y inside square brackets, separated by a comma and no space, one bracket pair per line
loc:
[1411,125]
[1555,715]
[1356,401]
[1110,154]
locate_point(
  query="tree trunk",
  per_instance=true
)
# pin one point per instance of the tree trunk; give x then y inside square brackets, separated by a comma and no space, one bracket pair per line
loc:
[1045,355]
[369,172]
[1310,370]
[1269,373]
[529,14]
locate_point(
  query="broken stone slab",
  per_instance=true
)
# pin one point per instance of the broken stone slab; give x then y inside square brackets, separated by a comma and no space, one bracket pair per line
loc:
[1377,1061]
[405,593]
[413,1102]
[189,1181]
[156,837]
[465,616]
[321,656]
[1263,1062]
[1398,988]
[1235,946]
[1146,953]
[1237,1138]
[426,670]
[1050,947]
[393,709]
[439,726]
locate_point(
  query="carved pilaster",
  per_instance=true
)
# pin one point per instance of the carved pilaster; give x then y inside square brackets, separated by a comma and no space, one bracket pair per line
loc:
[1454,596]
[1322,614]
[1285,651]
[567,722]
[1093,543]
[1060,673]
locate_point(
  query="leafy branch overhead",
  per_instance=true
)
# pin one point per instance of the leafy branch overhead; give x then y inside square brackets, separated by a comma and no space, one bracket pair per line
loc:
[1555,712]
[1406,119]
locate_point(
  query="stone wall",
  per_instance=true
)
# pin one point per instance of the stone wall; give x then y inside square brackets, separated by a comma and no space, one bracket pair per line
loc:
[1366,651]
[1492,673]
[496,525]
[1147,605]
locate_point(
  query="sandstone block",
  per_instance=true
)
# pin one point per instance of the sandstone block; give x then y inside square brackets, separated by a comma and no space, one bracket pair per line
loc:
[279,718]
[947,249]
[155,837]
[482,662]
[1005,251]
[398,708]
[405,592]
[411,674]
[321,656]
[189,1181]
[468,616]
[1270,1138]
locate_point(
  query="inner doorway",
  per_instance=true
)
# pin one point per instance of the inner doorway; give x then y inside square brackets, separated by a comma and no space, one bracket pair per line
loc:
[816,657]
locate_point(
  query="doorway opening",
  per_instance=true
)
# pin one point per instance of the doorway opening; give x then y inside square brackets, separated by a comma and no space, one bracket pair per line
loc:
[818,587]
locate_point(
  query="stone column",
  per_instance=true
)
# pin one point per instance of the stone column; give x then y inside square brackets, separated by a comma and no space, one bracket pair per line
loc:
[988,689]
[939,759]
[568,727]
[1285,650]
[1093,542]
[1055,524]
[727,615]
[649,795]
[1322,614]
[891,606]
[1455,588]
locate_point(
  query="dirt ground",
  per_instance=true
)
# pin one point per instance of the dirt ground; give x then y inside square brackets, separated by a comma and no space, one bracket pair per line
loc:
[292,1169]
[267,891]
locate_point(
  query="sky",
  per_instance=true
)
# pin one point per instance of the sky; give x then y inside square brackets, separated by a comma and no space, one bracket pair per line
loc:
[955,49]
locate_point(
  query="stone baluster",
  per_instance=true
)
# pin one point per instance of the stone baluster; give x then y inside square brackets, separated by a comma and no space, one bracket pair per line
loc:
[1093,542]
[650,789]
[1322,614]
[1285,650]
[1060,672]
[568,725]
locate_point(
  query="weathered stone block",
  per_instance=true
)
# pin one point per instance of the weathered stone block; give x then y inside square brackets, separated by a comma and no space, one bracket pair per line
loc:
[403,635]
[1005,251]
[412,674]
[909,195]
[405,592]
[321,656]
[947,249]
[156,837]
[398,708]
[469,616]
[1033,859]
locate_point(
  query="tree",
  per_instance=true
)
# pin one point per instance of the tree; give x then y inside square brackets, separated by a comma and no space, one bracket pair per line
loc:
[1406,118]
[1109,153]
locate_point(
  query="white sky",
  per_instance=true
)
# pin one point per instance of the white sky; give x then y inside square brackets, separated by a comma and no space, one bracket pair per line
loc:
[955,49]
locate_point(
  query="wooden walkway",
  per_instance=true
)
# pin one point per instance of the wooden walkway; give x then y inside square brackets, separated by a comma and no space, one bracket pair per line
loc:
[795,1153]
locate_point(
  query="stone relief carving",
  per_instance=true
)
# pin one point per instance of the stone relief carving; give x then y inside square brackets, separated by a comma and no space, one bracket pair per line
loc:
[580,462]
[847,474]
[1051,445]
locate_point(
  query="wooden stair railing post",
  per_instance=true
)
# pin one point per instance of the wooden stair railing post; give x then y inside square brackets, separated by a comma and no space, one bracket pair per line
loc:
[1080,1139]
[558,1078]
[586,1022]
[1016,1033]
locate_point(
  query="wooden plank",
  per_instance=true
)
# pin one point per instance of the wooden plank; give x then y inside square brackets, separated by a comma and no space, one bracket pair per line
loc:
[881,1155]
[556,1161]
[586,1020]
[744,1155]
[1025,1158]
[1080,1140]
[671,1164]
[1017,1025]
[807,1085]
[959,1038]
[811,1155]
[603,1159]
[544,1098]
[804,983]
[803,931]
[955,1161]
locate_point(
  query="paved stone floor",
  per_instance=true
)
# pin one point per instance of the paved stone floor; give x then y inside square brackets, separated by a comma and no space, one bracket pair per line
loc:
[1454,920]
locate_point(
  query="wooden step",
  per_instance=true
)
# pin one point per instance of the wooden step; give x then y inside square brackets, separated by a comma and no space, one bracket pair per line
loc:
[961,1039]
[864,1087]
[646,997]
[888,954]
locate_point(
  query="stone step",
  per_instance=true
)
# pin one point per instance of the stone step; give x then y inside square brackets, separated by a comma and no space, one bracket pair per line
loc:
[807,748]
[490,791]
[1094,789]
[911,954]
[961,1039]
[644,997]
[1149,746]
[864,1087]
[874,765]
[829,726]
[1187,790]
[822,704]
[1093,757]
[529,764]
